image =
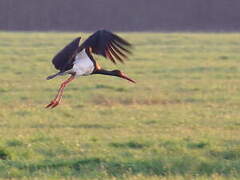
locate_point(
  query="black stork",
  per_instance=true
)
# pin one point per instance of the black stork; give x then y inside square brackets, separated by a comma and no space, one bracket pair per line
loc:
[78,60]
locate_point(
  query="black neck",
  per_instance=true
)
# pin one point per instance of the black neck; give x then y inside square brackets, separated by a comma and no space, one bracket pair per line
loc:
[105,72]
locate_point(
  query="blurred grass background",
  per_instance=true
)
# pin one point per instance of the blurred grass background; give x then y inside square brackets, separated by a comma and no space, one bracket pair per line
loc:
[180,121]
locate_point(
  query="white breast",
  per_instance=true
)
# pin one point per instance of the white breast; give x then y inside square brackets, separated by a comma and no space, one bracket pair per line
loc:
[83,65]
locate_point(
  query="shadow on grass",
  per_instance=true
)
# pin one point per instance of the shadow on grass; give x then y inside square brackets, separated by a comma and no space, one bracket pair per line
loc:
[109,101]
[130,144]
[128,101]
[81,167]
[231,154]
[159,166]
[102,86]
[4,154]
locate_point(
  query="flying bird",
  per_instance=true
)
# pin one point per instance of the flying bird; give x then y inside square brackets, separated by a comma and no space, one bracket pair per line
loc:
[77,60]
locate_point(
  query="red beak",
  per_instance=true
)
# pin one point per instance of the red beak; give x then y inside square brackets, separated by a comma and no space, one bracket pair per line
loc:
[124,76]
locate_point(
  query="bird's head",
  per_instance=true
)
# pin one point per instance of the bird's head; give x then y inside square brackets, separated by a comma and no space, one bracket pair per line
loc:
[122,75]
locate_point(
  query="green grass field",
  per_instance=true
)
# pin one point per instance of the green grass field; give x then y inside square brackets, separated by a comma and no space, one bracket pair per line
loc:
[180,121]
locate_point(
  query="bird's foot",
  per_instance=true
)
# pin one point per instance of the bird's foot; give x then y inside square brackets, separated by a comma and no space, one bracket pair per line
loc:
[52,104]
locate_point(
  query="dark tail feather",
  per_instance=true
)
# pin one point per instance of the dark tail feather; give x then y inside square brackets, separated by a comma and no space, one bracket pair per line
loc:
[53,76]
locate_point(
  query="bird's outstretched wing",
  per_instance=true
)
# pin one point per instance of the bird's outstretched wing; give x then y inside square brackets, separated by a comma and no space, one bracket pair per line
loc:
[63,57]
[107,44]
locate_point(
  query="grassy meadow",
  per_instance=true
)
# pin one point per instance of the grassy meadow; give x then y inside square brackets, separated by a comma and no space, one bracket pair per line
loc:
[180,121]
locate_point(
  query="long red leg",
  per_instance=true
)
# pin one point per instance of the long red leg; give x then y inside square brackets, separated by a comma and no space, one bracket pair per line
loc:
[59,95]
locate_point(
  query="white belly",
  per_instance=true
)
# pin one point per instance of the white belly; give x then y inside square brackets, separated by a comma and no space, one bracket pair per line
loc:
[83,65]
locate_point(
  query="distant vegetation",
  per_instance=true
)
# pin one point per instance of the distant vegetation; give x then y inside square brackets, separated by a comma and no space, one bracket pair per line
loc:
[180,121]
[124,15]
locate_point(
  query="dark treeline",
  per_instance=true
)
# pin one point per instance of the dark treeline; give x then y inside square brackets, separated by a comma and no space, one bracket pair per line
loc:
[120,15]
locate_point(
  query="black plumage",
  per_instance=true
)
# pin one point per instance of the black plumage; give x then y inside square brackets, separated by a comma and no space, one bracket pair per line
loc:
[101,42]
[62,58]
[108,45]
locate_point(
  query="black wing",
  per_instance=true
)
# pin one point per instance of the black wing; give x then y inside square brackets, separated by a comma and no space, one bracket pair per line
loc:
[63,58]
[108,45]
